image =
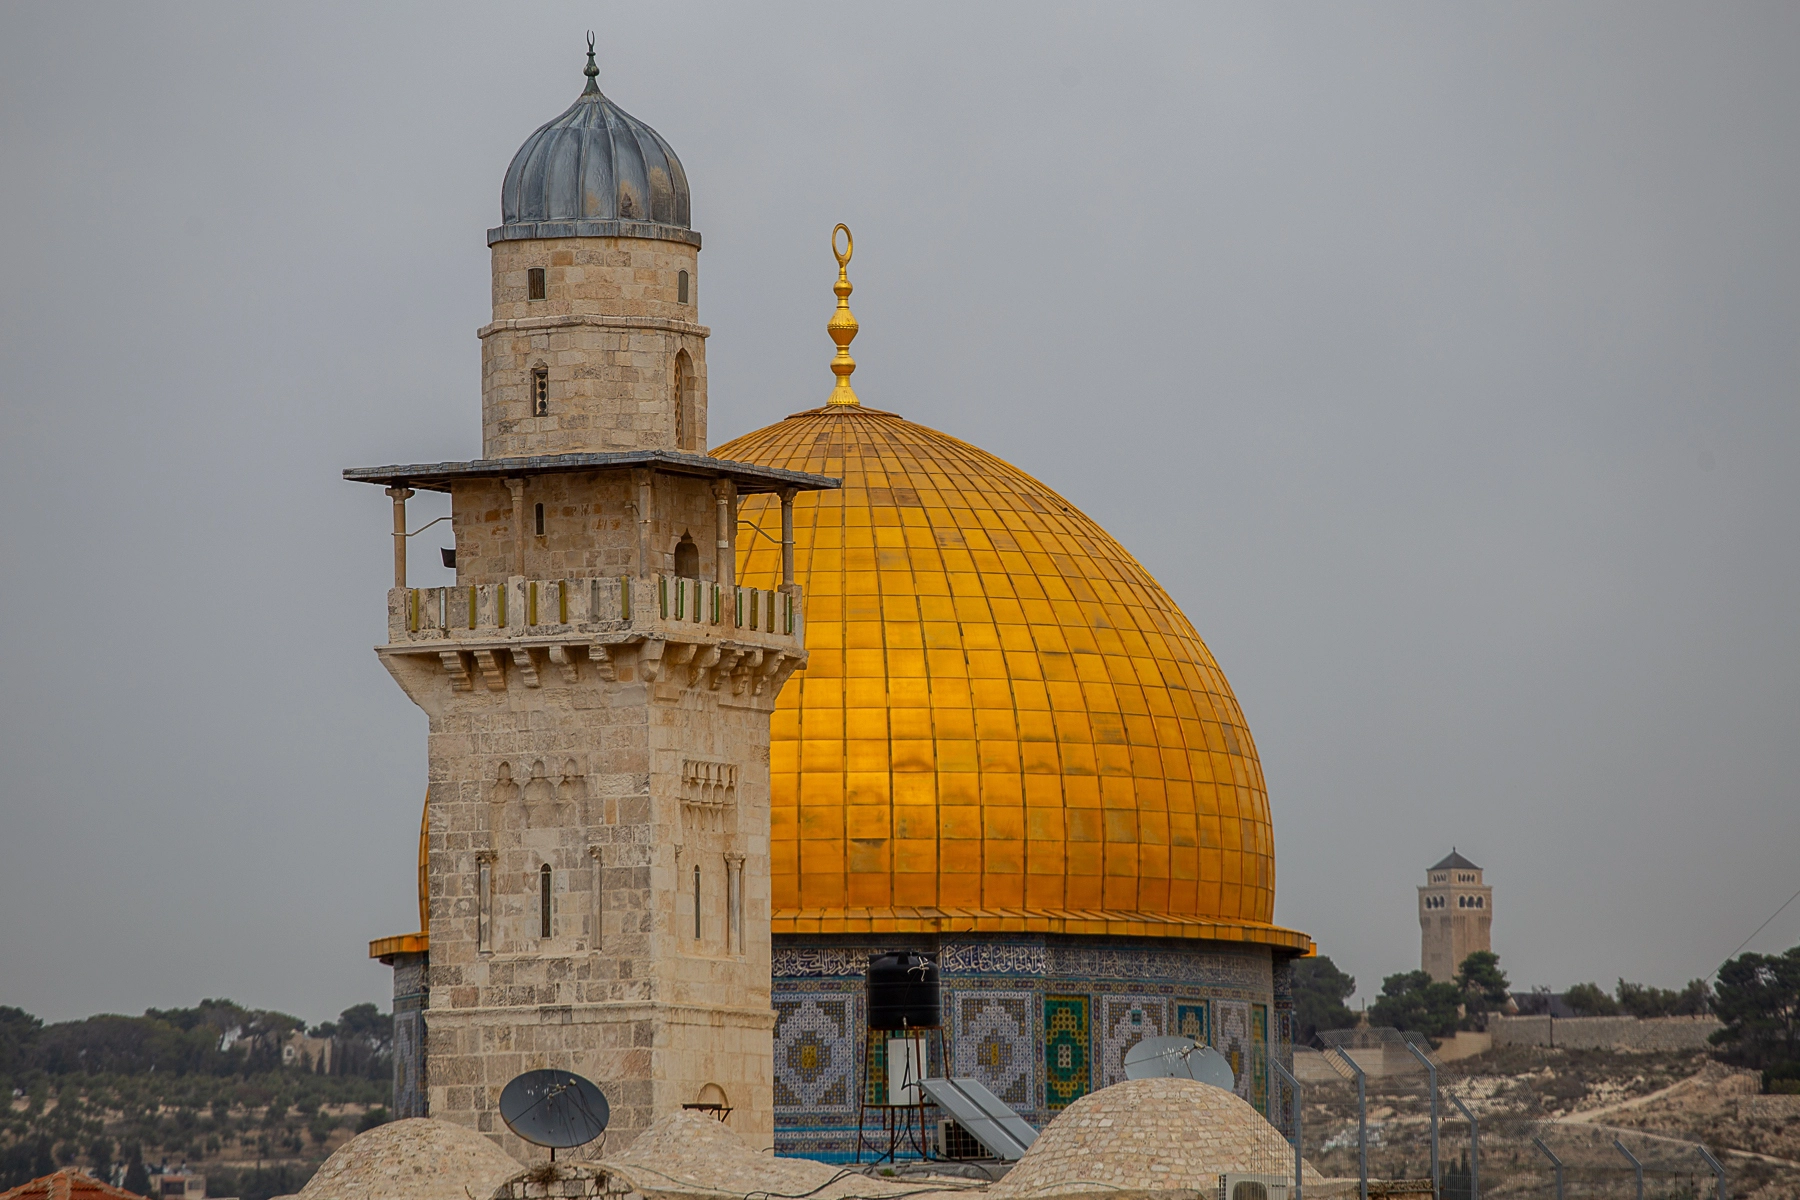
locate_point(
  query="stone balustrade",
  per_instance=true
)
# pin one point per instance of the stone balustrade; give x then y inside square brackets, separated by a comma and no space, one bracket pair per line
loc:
[526,608]
[666,626]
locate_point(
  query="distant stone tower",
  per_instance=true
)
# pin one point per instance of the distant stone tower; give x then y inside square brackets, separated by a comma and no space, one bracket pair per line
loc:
[1456,912]
[598,688]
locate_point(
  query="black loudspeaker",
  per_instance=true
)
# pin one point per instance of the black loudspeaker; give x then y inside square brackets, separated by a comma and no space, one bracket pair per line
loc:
[903,991]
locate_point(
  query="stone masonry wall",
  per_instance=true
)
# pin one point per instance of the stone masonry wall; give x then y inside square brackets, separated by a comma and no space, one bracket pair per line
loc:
[1604,1033]
[590,527]
[587,779]
[609,332]
[622,776]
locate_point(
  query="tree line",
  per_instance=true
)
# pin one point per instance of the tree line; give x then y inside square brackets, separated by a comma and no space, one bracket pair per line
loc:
[1756,998]
[116,1094]
[216,1037]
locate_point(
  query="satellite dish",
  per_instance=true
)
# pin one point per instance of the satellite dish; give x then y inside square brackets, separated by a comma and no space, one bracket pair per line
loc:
[553,1108]
[1178,1058]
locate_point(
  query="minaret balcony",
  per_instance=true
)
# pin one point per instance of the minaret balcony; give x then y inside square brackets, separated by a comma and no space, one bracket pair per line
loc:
[658,628]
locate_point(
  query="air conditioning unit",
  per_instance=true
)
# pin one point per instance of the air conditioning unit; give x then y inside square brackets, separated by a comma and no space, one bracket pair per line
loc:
[956,1143]
[1253,1187]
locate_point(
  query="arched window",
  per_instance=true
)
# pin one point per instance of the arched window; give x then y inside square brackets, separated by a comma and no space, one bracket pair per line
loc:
[681,287]
[681,394]
[540,391]
[544,900]
[687,558]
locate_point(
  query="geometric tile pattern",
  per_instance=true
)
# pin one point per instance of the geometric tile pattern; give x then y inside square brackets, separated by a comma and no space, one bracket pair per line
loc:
[1067,1069]
[996,1043]
[1191,1021]
[1040,1020]
[1259,1055]
[1124,1022]
[1232,1039]
[815,1052]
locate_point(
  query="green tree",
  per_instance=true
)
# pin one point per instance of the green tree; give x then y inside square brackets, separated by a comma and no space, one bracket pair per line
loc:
[1411,1000]
[1320,990]
[137,1179]
[1641,1001]
[100,1157]
[18,1032]
[1588,1000]
[1483,983]
[1758,999]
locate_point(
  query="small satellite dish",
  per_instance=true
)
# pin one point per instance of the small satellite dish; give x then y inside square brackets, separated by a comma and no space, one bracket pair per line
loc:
[554,1108]
[1178,1058]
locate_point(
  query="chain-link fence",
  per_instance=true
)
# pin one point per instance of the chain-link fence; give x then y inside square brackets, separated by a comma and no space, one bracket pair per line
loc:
[1376,1115]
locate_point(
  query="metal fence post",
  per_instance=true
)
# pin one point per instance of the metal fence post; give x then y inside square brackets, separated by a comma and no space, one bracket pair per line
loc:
[1431,1073]
[1294,1085]
[1362,1119]
[1554,1162]
[1474,1148]
[1635,1165]
[1717,1170]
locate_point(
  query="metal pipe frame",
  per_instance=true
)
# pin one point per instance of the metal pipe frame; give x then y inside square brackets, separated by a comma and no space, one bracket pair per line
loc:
[1635,1165]
[1554,1162]
[1431,1072]
[1717,1170]
[1294,1084]
[1474,1147]
[1362,1119]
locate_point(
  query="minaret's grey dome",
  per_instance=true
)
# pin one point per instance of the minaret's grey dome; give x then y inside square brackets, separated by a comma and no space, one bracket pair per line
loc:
[595,171]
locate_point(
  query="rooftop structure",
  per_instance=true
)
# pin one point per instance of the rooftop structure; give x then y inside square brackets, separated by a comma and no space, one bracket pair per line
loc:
[1150,1135]
[414,1159]
[68,1184]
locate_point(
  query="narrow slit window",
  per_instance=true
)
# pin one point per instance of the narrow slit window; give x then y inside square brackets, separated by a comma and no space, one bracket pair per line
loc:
[540,520]
[544,901]
[540,391]
[534,283]
[696,903]
[484,933]
[734,903]
[599,898]
[681,288]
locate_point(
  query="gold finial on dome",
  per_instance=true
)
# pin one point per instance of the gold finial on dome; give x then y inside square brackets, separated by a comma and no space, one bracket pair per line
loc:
[843,325]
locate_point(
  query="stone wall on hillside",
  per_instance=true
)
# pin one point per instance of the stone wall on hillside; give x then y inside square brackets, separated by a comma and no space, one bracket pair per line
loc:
[1604,1033]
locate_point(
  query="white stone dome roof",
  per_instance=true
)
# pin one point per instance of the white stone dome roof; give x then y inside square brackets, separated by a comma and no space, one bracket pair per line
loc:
[413,1159]
[1156,1135]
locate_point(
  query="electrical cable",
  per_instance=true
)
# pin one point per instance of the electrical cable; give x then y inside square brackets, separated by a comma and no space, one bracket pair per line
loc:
[1752,937]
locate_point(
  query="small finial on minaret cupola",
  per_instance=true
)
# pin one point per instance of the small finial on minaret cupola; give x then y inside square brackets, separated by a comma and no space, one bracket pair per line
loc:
[592,70]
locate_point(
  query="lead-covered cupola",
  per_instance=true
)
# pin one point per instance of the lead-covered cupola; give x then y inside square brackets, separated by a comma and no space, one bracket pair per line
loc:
[595,171]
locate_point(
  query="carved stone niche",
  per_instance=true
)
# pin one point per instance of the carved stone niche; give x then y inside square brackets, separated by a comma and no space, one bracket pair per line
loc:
[707,790]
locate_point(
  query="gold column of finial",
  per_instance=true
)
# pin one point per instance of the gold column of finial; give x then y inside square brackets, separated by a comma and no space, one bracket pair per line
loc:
[843,324]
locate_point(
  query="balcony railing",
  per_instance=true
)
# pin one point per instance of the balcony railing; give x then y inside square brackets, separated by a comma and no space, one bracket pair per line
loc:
[665,605]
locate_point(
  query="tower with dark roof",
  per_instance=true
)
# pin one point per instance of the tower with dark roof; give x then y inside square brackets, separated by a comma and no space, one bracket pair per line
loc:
[596,845]
[1456,914]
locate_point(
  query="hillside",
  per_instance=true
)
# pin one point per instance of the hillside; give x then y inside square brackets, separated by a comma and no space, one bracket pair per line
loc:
[206,1086]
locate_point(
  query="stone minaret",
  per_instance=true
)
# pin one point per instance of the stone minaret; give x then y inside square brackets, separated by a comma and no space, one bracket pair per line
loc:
[1456,914]
[597,687]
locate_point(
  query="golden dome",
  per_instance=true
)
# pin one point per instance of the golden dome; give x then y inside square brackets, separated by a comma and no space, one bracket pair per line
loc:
[1005,723]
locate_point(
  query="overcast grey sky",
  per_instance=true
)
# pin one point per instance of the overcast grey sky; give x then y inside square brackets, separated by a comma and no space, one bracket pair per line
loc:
[1439,360]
